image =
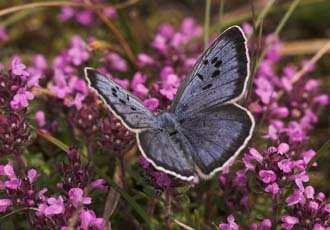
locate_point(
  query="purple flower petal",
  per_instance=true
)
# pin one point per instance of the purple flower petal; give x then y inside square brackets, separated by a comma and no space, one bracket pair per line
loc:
[289,221]
[56,206]
[267,176]
[273,188]
[151,103]
[32,175]
[4,204]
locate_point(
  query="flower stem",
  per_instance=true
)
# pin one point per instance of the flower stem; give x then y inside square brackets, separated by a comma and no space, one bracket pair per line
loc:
[89,151]
[275,211]
[33,5]
[20,164]
[207,23]
[168,202]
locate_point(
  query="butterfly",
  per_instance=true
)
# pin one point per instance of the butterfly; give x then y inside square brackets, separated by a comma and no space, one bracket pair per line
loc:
[204,129]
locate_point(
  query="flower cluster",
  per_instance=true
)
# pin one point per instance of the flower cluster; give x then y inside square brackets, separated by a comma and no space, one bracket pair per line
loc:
[278,167]
[13,132]
[67,85]
[114,136]
[234,187]
[265,224]
[85,17]
[53,211]
[171,61]
[287,107]
[15,87]
[286,104]
[157,178]
[307,210]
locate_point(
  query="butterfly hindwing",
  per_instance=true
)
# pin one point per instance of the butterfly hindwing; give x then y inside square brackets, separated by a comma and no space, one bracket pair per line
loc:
[167,153]
[217,135]
[125,105]
[219,76]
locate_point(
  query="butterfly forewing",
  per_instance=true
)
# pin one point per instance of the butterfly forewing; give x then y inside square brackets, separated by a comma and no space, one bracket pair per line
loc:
[125,105]
[219,76]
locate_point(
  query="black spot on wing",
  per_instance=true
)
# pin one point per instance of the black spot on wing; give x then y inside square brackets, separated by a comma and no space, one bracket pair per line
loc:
[214,60]
[207,86]
[218,64]
[200,76]
[122,101]
[215,73]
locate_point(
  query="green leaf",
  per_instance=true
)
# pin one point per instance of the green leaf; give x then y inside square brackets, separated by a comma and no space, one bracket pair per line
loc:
[319,153]
[51,139]
[197,220]
[135,206]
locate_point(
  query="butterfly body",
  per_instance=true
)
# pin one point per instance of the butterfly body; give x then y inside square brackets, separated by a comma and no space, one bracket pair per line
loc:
[204,129]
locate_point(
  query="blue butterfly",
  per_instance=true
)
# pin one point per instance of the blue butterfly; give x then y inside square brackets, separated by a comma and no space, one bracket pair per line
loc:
[204,129]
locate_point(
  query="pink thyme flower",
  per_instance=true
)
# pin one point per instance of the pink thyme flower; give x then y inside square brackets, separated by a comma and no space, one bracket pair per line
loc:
[289,221]
[231,224]
[88,219]
[32,175]
[308,155]
[285,165]
[40,118]
[309,191]
[283,148]
[247,160]
[138,86]
[18,68]
[264,89]
[4,204]
[77,101]
[162,179]
[66,13]
[85,17]
[267,176]
[256,155]
[55,206]
[8,171]
[3,34]
[151,103]
[247,28]
[171,83]
[326,208]
[295,198]
[76,197]
[313,205]
[144,59]
[300,178]
[21,99]
[144,163]
[322,99]
[110,12]
[266,224]
[78,52]
[295,132]
[319,227]
[117,62]
[99,184]
[273,188]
